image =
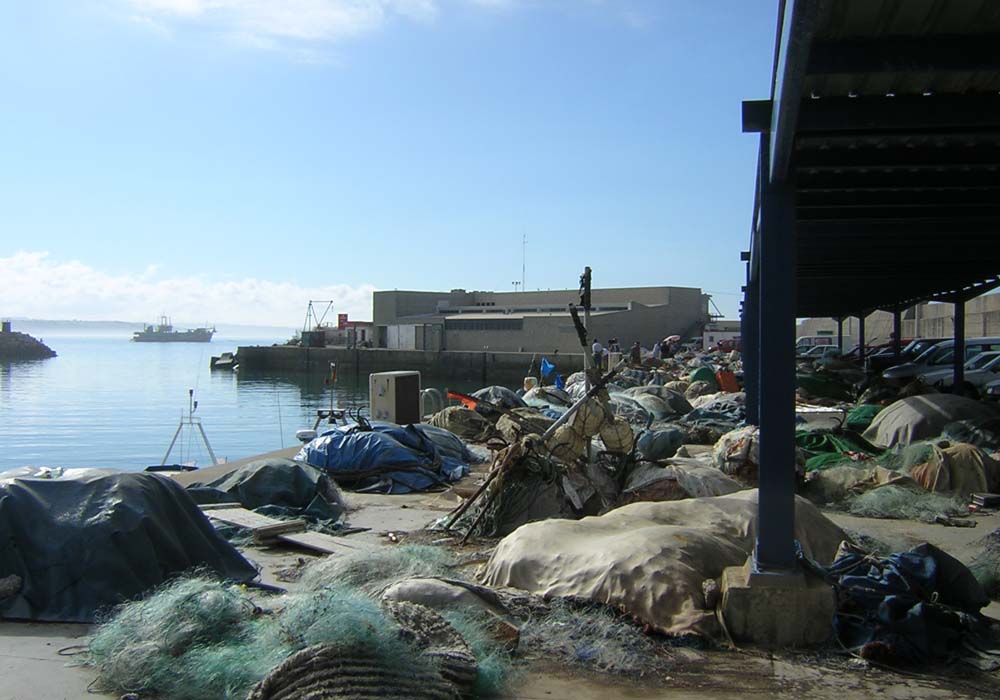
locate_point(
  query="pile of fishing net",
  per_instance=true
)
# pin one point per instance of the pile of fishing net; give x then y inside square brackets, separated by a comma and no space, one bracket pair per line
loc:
[915,482]
[358,628]
[198,638]
[525,485]
[903,503]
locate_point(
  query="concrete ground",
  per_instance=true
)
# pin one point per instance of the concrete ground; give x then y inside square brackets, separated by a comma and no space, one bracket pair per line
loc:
[35,660]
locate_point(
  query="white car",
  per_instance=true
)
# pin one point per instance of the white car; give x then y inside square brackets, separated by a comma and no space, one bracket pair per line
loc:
[979,371]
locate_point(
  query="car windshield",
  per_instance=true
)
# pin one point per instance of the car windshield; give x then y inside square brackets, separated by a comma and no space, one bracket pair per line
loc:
[920,345]
[943,356]
[930,355]
[987,360]
[981,360]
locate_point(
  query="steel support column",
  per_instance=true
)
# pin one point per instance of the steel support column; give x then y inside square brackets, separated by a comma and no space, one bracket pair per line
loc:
[897,331]
[751,352]
[840,334]
[861,338]
[959,359]
[775,549]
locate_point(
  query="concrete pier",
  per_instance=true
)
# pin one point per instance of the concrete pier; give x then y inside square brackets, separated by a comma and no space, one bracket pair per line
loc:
[483,366]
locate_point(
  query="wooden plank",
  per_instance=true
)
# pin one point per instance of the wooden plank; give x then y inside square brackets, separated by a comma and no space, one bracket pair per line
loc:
[242,517]
[319,542]
[217,506]
[268,533]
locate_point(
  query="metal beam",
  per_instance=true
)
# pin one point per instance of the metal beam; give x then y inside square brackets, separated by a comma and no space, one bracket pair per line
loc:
[906,55]
[903,113]
[756,116]
[800,18]
[900,213]
[775,551]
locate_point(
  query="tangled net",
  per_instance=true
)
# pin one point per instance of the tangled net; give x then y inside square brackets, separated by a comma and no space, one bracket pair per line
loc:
[897,502]
[201,639]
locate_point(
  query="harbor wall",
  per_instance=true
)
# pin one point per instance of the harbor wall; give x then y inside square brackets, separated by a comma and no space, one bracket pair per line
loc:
[484,366]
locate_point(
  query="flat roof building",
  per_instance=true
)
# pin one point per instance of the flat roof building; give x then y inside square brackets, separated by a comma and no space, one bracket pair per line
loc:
[533,321]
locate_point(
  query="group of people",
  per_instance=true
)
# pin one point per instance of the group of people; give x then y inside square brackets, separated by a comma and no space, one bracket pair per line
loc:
[601,355]
[661,349]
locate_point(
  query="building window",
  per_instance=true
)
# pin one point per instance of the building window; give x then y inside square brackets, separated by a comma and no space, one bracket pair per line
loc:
[504,324]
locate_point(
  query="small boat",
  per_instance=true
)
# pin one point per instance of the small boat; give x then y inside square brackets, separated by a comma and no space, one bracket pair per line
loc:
[163,332]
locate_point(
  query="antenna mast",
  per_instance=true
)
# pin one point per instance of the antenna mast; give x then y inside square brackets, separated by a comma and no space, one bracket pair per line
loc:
[524,247]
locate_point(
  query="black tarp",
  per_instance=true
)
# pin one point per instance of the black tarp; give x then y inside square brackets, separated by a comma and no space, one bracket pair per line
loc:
[283,485]
[84,540]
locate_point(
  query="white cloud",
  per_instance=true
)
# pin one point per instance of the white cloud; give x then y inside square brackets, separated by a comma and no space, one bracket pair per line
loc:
[265,23]
[34,285]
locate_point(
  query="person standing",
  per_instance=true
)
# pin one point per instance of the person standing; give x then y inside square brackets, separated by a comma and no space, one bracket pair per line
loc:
[598,351]
[635,354]
[657,351]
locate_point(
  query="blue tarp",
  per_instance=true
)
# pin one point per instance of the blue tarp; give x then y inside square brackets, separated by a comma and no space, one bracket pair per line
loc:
[909,607]
[387,459]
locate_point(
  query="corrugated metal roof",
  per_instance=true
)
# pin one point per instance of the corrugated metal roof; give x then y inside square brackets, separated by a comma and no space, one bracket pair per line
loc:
[895,154]
[905,47]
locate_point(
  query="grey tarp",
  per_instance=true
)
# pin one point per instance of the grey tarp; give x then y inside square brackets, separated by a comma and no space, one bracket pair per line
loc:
[84,540]
[297,489]
[922,417]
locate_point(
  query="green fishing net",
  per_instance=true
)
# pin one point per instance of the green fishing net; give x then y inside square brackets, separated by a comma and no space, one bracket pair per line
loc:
[201,639]
[903,503]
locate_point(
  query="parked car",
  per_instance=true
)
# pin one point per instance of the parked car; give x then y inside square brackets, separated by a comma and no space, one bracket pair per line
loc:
[991,390]
[883,360]
[979,371]
[940,356]
[818,351]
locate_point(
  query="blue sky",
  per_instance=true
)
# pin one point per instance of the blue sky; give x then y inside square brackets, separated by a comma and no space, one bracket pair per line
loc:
[230,159]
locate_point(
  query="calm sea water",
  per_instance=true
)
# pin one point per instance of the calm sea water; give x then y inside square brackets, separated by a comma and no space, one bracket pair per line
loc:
[108,402]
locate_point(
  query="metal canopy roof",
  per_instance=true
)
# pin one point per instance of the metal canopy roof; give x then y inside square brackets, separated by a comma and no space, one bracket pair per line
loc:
[885,115]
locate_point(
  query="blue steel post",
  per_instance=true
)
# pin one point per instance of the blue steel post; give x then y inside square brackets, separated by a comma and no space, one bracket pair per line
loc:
[861,338]
[840,334]
[776,307]
[897,332]
[751,353]
[959,360]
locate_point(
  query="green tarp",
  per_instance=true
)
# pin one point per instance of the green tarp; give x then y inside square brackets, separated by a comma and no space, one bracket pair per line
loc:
[825,449]
[705,374]
[860,417]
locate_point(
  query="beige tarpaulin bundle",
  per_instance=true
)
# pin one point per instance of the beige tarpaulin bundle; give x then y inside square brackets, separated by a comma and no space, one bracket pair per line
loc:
[961,470]
[649,559]
[464,422]
[838,483]
[525,421]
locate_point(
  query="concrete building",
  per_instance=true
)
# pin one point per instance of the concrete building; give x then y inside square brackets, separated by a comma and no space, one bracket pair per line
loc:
[926,320]
[718,331]
[533,321]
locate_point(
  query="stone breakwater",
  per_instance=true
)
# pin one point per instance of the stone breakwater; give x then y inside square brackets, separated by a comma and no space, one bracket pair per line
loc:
[21,346]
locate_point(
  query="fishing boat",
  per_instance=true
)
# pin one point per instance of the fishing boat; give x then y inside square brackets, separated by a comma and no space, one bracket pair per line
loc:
[163,332]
